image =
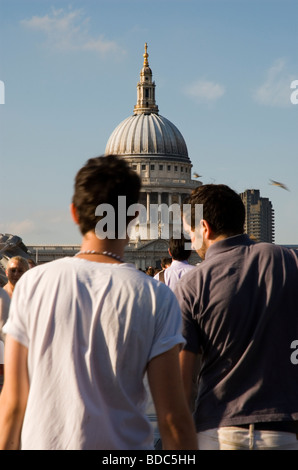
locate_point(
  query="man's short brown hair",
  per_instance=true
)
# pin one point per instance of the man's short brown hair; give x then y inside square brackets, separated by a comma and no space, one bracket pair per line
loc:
[101,181]
[223,208]
[178,248]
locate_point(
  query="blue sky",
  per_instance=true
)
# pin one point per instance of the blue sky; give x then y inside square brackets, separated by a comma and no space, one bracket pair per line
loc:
[223,71]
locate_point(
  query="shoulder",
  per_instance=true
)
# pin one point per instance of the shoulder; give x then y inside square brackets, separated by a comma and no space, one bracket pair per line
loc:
[154,296]
[177,266]
[191,272]
[4,305]
[51,265]
[188,267]
[4,297]
[189,283]
[274,251]
[43,272]
[160,290]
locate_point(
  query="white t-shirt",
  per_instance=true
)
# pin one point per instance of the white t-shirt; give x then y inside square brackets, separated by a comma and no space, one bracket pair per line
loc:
[4,309]
[175,272]
[91,329]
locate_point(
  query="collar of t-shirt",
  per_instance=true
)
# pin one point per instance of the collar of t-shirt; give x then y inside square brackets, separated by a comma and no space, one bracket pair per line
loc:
[177,264]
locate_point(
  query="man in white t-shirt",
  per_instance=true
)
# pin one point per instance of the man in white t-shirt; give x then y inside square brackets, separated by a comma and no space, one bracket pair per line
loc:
[180,253]
[83,331]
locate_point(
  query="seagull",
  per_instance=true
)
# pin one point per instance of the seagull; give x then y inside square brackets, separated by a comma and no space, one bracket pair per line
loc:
[195,175]
[277,183]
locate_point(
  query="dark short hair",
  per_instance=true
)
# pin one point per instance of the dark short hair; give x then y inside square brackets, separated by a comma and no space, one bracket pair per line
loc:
[164,261]
[101,181]
[223,208]
[178,249]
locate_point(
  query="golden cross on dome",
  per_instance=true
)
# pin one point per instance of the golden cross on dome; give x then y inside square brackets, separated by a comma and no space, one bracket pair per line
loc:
[146,55]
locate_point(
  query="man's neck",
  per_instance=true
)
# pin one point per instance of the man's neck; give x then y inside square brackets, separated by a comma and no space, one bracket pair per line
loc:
[207,243]
[91,243]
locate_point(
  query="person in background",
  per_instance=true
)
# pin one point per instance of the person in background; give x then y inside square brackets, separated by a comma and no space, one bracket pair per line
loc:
[165,262]
[180,253]
[31,263]
[16,267]
[68,313]
[239,309]
[150,271]
[4,309]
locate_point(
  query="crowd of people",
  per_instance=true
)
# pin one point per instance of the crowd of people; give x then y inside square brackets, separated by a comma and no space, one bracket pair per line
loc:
[213,339]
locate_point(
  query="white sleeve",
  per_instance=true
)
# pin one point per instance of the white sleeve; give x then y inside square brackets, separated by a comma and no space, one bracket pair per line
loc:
[168,326]
[16,325]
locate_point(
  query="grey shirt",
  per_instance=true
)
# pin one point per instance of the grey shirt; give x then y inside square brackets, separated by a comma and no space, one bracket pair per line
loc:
[240,309]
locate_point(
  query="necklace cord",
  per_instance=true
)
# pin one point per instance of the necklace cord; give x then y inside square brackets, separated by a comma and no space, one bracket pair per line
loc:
[104,253]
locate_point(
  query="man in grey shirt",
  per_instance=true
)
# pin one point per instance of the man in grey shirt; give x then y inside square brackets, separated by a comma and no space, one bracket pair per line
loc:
[240,311]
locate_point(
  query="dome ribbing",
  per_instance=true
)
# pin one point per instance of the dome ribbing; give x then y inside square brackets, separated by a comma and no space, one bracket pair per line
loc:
[147,135]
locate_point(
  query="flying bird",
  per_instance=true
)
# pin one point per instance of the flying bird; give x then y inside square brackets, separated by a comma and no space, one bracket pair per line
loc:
[281,185]
[195,175]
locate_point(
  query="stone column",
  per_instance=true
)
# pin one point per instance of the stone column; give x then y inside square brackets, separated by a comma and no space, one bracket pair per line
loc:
[160,221]
[159,199]
[148,207]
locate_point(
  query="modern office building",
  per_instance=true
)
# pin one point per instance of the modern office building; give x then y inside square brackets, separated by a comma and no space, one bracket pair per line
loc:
[259,219]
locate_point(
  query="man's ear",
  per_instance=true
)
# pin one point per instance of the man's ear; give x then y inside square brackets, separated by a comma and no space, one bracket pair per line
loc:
[74,213]
[207,230]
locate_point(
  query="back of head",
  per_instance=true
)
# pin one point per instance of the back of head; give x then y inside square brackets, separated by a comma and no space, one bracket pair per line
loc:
[102,180]
[150,271]
[178,248]
[223,208]
[165,262]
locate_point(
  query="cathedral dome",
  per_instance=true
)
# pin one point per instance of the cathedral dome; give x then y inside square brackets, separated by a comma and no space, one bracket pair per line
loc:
[147,135]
